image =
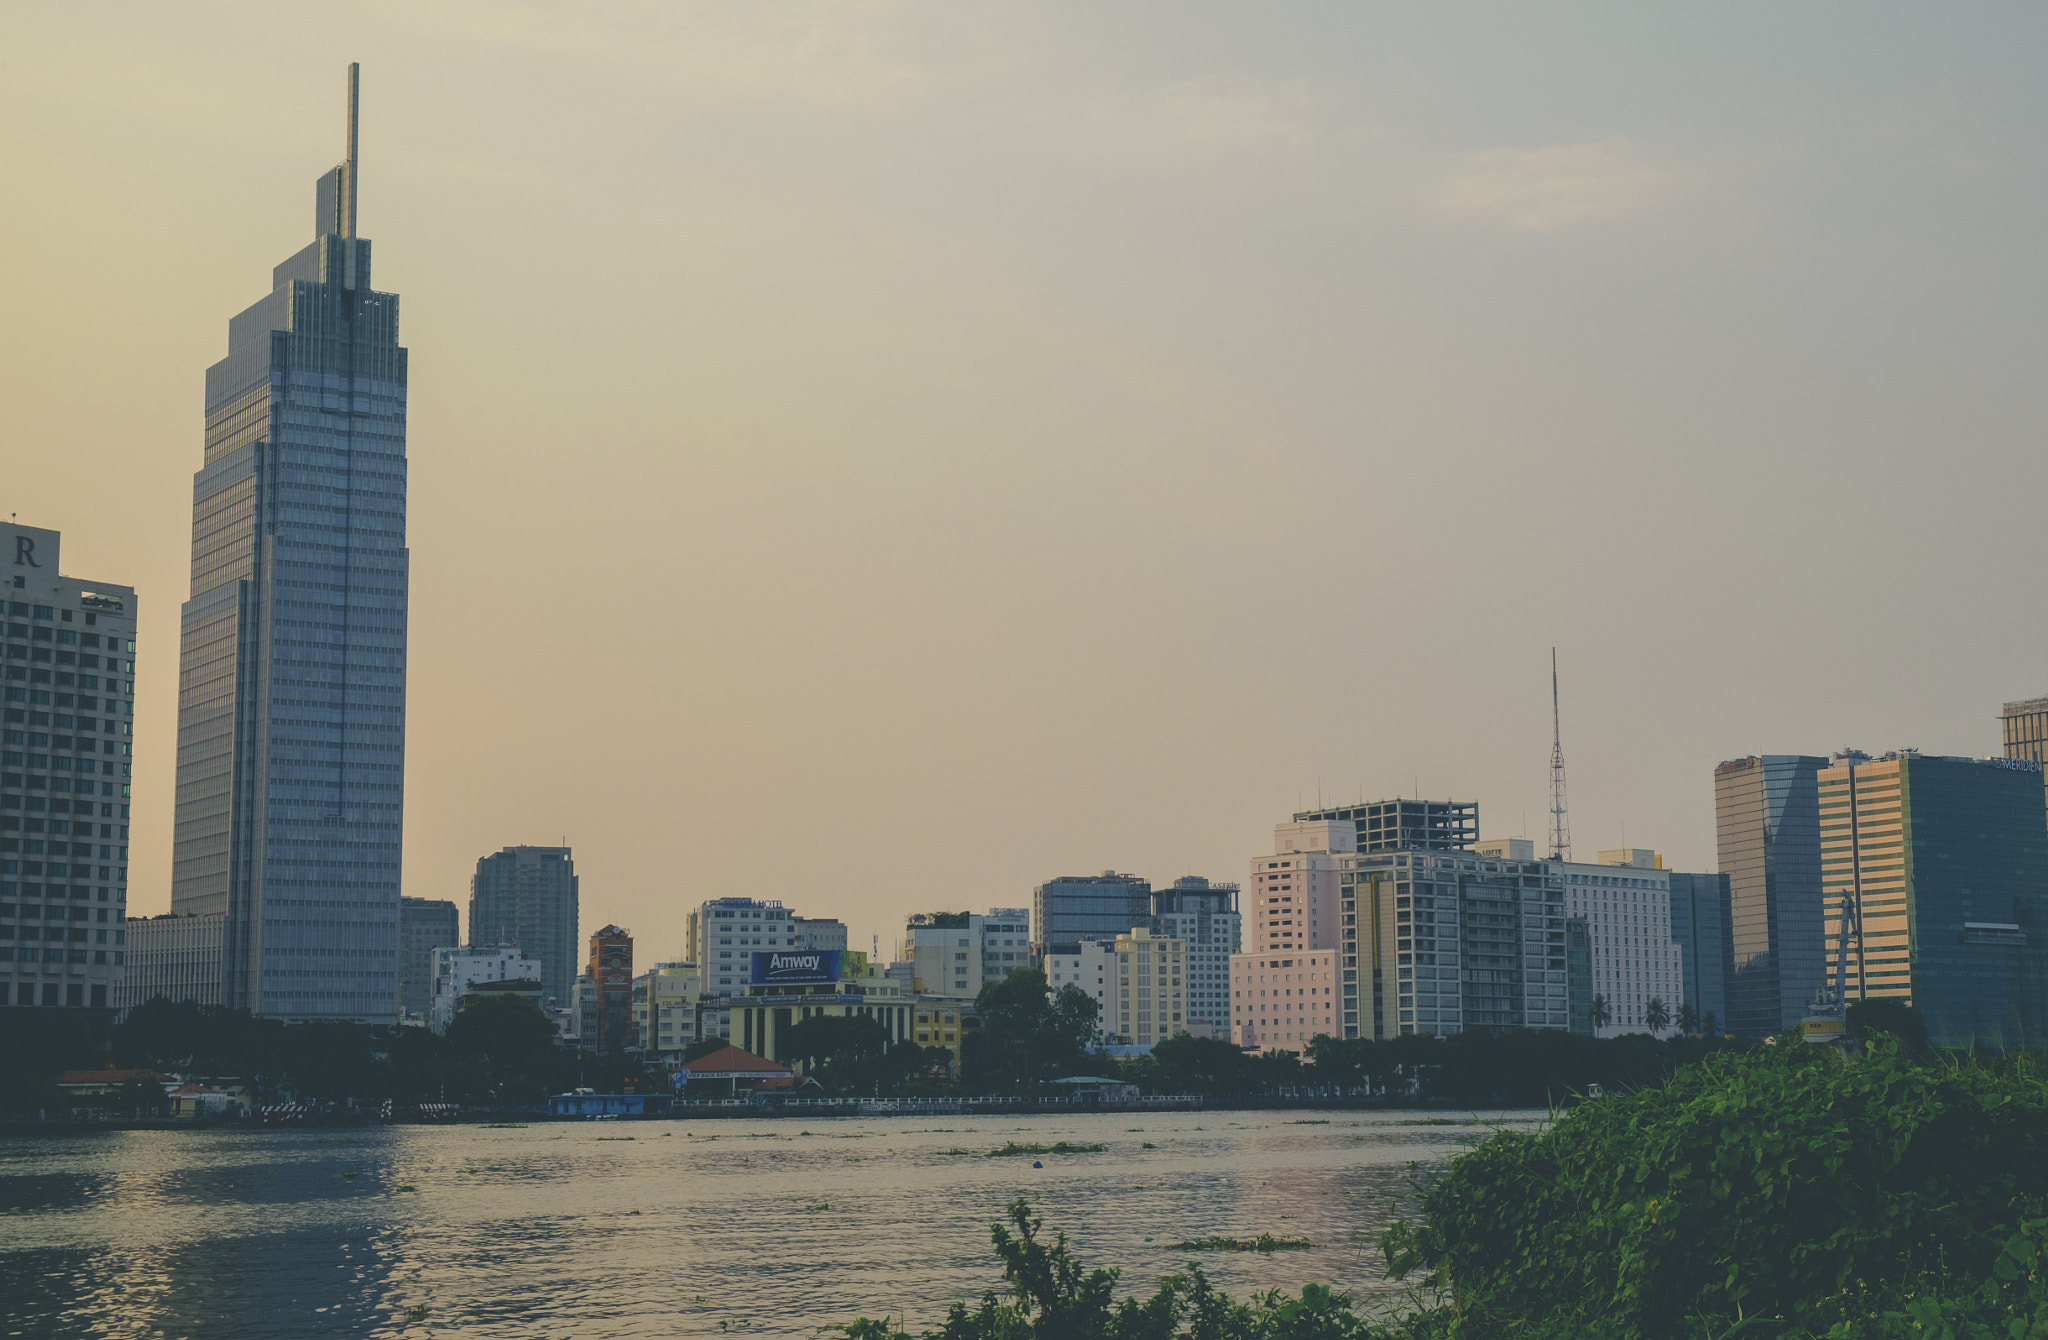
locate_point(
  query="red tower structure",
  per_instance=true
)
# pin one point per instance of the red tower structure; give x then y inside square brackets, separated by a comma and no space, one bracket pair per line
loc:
[611,970]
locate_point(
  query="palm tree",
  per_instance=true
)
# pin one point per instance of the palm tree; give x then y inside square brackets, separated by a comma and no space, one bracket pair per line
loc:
[1599,1013]
[1688,1018]
[1710,1025]
[1657,1015]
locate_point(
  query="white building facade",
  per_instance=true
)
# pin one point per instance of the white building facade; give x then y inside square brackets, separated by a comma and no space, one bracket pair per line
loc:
[1625,901]
[956,955]
[460,969]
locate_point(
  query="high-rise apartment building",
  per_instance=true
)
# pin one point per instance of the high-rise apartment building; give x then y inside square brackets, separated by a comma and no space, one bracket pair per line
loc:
[424,925]
[611,974]
[64,778]
[1088,907]
[291,703]
[527,896]
[1940,865]
[1150,1004]
[1699,926]
[1204,915]
[1767,831]
[1292,895]
[1438,941]
[1290,913]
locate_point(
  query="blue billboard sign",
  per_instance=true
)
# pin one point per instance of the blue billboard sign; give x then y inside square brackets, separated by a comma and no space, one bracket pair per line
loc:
[796,967]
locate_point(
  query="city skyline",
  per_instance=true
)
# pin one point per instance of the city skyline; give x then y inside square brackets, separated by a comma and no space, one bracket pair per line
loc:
[956,547]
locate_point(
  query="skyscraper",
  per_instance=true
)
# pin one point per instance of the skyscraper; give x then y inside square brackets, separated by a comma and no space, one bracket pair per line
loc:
[291,704]
[1940,866]
[1699,925]
[1767,831]
[70,723]
[528,896]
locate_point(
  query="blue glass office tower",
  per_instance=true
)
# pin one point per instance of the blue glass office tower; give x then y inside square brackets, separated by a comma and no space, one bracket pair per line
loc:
[291,702]
[1767,821]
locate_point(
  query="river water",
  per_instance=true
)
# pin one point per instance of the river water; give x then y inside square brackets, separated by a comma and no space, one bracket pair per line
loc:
[770,1227]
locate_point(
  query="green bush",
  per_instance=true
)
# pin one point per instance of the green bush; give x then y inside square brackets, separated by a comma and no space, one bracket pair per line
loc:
[1784,1188]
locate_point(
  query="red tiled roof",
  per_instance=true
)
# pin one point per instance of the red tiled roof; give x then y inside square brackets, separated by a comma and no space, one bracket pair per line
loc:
[736,1063]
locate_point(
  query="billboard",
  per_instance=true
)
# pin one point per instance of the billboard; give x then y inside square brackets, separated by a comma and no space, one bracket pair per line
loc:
[796,967]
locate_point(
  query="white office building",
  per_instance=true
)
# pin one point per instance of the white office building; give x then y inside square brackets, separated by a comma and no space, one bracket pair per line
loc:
[461,971]
[957,953]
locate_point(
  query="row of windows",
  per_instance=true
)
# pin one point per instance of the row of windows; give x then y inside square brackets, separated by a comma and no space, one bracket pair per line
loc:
[62,637]
[21,609]
[58,995]
[57,912]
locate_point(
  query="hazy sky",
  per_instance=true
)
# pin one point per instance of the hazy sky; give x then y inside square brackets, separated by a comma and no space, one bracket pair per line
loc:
[881,457]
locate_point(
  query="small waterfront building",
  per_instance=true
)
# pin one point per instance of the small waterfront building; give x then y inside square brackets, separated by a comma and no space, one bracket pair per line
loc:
[740,1071]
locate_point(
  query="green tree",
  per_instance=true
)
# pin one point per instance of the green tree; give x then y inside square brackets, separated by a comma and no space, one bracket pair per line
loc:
[1188,1064]
[515,1041]
[1709,1024]
[1688,1018]
[140,1096]
[1599,1014]
[705,1047]
[1027,1037]
[1657,1015]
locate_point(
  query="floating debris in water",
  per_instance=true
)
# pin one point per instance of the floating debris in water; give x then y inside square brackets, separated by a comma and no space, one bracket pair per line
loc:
[1265,1242]
[1063,1147]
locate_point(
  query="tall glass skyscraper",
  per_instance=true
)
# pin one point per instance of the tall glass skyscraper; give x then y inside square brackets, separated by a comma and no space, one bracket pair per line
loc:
[291,704]
[1767,822]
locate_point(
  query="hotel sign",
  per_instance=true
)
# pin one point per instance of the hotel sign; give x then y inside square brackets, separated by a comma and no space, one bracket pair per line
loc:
[809,967]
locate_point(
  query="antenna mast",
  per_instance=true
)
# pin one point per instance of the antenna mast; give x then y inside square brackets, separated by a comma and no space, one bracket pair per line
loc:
[1560,829]
[348,176]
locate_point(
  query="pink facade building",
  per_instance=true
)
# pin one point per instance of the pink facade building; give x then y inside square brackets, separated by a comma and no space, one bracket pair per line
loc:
[1283,986]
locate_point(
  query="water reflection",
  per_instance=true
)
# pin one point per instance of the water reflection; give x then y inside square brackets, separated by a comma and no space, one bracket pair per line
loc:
[660,1229]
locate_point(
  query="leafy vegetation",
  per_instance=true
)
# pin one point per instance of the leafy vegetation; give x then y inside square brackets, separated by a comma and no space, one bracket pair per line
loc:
[1784,1191]
[1517,1068]
[848,1054]
[1048,1294]
[1012,1149]
[1027,1036]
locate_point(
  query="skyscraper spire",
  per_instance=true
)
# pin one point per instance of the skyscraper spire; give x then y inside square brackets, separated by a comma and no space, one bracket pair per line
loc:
[350,182]
[1560,828]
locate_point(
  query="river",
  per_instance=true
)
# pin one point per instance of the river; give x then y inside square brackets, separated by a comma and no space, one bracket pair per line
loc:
[593,1230]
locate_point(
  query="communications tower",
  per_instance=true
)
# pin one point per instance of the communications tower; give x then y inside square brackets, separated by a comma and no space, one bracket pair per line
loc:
[1560,827]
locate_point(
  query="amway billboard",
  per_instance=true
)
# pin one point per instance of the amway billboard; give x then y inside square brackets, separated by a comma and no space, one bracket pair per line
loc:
[810,967]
